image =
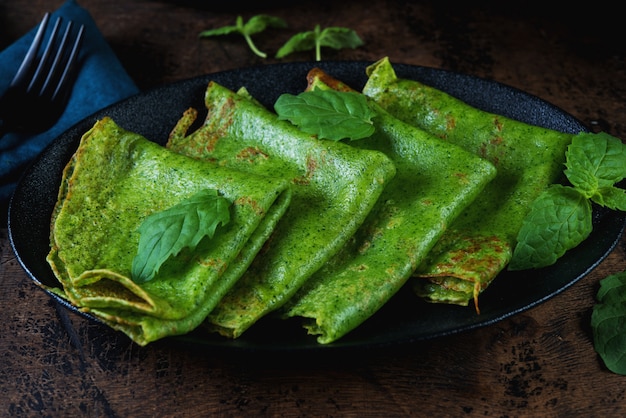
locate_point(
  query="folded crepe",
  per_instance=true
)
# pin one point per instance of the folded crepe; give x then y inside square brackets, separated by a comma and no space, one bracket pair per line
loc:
[113,182]
[434,181]
[334,188]
[528,158]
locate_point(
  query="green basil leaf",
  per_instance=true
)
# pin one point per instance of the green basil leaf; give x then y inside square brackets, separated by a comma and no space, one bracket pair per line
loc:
[164,234]
[338,38]
[334,37]
[256,24]
[595,161]
[559,219]
[608,322]
[303,41]
[329,114]
[224,30]
[259,23]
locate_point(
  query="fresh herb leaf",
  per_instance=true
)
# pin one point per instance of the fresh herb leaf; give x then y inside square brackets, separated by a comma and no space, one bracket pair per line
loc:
[333,37]
[166,233]
[611,197]
[595,162]
[608,322]
[253,26]
[559,219]
[329,114]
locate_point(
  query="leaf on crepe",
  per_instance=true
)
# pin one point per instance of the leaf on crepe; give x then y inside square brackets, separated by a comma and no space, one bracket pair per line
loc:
[164,234]
[611,197]
[595,162]
[559,219]
[328,114]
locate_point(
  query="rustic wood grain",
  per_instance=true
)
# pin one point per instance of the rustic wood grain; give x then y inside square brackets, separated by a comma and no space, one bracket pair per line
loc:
[537,363]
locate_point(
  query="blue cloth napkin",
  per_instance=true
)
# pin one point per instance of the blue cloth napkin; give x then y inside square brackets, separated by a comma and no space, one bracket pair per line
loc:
[101,81]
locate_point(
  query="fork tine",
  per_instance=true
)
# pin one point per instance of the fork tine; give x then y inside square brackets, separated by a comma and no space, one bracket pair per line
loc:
[69,66]
[53,70]
[42,91]
[25,69]
[45,58]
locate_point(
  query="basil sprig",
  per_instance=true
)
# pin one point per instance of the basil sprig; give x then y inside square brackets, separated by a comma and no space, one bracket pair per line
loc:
[255,25]
[164,234]
[333,37]
[329,114]
[560,218]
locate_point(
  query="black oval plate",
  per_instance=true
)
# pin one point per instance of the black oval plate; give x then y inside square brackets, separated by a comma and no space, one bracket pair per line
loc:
[405,318]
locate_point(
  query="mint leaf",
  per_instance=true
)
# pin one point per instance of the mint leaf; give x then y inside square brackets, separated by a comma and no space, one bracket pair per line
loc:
[333,37]
[559,219]
[612,289]
[611,197]
[595,162]
[253,26]
[166,233]
[329,114]
[608,322]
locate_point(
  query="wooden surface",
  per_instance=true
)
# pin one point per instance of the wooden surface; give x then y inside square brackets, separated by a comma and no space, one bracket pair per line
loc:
[538,363]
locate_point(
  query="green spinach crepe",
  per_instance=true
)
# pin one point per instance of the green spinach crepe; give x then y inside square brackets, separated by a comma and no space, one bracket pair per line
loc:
[113,182]
[528,159]
[434,181]
[334,188]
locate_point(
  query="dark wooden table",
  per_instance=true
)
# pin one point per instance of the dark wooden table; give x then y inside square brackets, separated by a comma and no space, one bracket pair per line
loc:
[538,363]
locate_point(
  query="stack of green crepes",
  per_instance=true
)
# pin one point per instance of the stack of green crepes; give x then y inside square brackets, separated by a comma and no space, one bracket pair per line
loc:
[528,158]
[323,230]
[113,182]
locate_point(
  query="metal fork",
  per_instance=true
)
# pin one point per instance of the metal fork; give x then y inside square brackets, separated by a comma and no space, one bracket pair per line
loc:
[39,91]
